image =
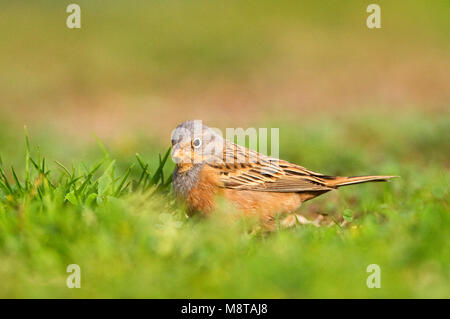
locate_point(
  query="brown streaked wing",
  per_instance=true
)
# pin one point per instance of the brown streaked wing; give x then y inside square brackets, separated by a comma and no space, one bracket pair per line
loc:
[249,170]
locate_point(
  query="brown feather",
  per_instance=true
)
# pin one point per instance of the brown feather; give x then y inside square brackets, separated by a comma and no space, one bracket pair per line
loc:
[250,170]
[338,181]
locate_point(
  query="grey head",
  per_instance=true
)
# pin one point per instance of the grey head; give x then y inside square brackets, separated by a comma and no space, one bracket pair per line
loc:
[193,145]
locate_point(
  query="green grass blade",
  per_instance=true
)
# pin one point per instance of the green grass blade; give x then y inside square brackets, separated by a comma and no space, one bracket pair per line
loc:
[119,189]
[36,166]
[5,181]
[19,186]
[162,171]
[141,162]
[65,170]
[27,159]
[96,167]
[158,174]
[143,175]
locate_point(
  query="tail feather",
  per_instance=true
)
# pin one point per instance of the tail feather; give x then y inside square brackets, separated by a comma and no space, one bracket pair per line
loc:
[338,181]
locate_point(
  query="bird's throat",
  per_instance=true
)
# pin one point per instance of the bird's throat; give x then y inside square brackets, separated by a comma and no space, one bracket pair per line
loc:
[185,177]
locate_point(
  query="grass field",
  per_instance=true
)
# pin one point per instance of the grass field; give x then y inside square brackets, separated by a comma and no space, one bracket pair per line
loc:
[133,240]
[347,100]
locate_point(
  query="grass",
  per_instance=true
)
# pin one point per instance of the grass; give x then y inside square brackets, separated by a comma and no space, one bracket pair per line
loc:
[131,239]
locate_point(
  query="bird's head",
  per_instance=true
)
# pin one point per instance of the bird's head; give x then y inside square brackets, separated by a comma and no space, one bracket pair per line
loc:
[193,143]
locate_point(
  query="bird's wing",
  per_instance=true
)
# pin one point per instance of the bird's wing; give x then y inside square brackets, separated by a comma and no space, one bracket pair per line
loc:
[245,169]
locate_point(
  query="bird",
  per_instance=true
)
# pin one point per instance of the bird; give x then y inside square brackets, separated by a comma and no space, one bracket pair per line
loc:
[209,166]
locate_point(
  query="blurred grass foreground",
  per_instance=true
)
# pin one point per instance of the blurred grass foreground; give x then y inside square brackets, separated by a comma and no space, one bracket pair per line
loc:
[132,240]
[347,100]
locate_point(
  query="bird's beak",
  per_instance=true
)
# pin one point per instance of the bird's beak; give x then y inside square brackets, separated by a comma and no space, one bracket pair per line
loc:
[177,154]
[181,154]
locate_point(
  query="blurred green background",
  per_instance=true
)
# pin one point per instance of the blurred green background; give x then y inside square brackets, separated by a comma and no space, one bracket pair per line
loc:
[348,100]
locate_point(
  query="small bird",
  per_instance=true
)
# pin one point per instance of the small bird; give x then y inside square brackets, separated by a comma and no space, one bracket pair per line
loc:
[208,166]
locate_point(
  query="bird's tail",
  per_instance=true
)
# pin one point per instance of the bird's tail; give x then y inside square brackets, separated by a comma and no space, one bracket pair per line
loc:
[338,181]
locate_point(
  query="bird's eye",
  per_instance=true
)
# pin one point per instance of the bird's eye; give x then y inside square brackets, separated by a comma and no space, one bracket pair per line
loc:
[197,142]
